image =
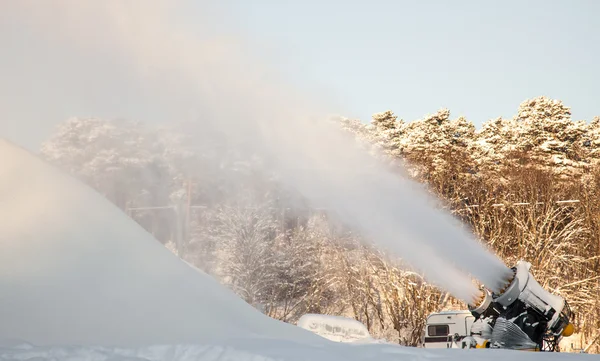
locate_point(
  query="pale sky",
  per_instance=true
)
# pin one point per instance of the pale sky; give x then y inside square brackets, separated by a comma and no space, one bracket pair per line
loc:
[477,58]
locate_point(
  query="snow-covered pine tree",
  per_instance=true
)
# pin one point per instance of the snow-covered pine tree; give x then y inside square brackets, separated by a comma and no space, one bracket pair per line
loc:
[592,140]
[494,141]
[440,151]
[386,131]
[547,137]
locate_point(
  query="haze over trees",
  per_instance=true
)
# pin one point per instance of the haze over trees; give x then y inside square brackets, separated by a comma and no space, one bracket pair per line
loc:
[225,212]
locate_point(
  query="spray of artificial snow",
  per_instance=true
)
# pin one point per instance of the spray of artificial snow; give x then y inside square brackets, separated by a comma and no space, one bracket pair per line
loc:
[180,68]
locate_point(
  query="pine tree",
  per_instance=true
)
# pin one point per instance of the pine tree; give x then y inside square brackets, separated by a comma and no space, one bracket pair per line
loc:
[494,142]
[592,141]
[548,137]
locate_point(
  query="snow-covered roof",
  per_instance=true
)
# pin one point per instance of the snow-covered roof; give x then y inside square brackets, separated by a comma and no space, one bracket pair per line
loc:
[334,328]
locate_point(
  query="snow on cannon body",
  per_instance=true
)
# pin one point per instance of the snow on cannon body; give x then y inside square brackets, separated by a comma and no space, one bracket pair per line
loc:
[523,316]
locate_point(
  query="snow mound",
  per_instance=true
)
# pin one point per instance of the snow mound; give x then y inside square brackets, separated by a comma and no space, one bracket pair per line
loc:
[75,270]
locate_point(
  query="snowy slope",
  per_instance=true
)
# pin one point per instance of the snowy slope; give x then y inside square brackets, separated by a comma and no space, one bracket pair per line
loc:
[74,269]
[78,278]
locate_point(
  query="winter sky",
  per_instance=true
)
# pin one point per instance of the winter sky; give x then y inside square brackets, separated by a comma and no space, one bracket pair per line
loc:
[479,59]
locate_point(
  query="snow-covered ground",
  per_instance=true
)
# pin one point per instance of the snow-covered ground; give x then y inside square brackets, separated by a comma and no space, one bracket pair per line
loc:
[267,350]
[81,281]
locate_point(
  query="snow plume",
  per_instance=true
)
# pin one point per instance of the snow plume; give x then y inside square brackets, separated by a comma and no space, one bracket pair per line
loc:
[181,63]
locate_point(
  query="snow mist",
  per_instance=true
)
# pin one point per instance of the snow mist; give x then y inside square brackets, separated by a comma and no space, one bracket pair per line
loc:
[183,65]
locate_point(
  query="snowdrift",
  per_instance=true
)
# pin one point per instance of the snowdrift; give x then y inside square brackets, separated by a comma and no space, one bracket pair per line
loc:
[80,280]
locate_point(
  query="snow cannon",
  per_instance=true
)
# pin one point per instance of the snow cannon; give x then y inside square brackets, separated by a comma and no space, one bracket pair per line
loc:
[523,315]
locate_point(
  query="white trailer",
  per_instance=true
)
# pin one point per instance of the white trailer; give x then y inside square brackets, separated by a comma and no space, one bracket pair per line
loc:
[447,329]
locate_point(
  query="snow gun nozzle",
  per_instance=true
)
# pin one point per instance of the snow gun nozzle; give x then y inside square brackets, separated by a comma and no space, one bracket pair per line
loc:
[477,299]
[507,282]
[480,302]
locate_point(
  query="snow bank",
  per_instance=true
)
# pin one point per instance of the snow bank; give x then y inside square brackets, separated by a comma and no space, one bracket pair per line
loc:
[75,270]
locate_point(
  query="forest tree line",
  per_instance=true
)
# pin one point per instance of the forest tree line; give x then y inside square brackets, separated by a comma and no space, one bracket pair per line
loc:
[231,217]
